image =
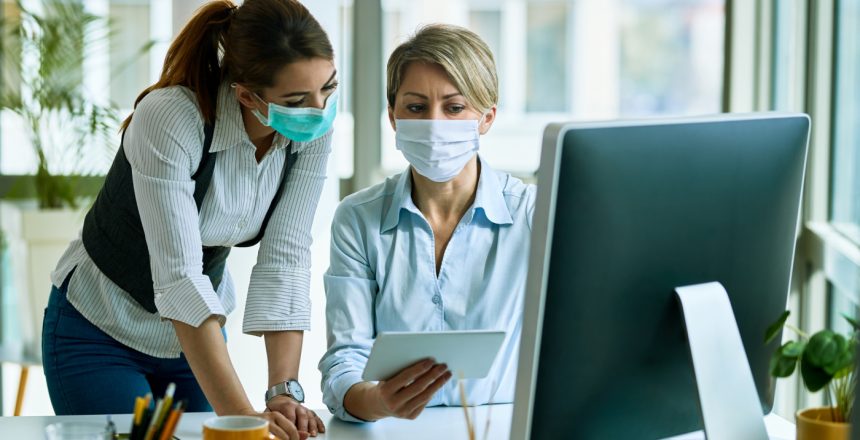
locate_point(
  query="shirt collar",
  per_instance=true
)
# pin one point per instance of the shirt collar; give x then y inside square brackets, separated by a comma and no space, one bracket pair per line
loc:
[489,198]
[229,127]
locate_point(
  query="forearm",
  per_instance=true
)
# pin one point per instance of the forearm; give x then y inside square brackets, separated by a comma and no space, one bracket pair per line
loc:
[284,351]
[362,401]
[207,355]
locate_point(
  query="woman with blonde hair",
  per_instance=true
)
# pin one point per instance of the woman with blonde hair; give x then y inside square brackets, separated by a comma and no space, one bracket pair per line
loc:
[228,148]
[441,246]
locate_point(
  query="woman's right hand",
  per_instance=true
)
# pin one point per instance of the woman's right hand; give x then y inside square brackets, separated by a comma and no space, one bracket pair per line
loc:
[406,394]
[279,425]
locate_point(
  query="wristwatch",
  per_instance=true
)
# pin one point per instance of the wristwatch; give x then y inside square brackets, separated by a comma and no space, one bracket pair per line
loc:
[289,388]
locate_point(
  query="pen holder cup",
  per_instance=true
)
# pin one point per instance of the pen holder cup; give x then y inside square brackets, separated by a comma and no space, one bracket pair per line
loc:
[236,428]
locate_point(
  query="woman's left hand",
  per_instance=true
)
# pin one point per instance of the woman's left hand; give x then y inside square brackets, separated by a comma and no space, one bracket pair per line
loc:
[304,419]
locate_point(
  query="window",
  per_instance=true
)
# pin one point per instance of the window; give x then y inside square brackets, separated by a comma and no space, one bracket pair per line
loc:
[840,305]
[788,56]
[114,69]
[129,70]
[845,202]
[576,60]
[546,56]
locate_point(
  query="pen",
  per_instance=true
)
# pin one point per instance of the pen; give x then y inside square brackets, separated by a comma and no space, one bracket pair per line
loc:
[140,432]
[140,417]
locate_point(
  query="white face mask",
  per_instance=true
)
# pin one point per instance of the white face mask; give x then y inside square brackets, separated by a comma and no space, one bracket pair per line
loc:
[437,148]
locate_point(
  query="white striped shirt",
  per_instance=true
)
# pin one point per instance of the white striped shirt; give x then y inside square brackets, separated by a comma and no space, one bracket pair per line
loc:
[164,144]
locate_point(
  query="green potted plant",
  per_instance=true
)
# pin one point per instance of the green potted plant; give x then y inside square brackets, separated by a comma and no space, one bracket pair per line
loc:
[43,54]
[825,360]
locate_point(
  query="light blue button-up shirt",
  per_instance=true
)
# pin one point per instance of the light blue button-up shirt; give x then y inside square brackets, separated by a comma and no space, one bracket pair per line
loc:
[383,278]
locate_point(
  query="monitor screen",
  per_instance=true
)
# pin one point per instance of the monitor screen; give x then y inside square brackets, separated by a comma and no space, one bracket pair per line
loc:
[626,212]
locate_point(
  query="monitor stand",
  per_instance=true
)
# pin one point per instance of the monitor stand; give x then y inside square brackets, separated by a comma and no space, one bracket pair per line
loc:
[727,394]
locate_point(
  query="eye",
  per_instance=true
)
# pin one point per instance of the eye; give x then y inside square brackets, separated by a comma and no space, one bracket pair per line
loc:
[456,108]
[331,86]
[294,103]
[415,108]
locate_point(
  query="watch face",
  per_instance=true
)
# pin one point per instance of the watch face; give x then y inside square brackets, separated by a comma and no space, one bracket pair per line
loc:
[296,390]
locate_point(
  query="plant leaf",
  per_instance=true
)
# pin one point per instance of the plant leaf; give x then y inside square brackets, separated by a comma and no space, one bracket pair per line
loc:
[776,327]
[814,377]
[854,322]
[844,359]
[782,365]
[824,348]
[793,348]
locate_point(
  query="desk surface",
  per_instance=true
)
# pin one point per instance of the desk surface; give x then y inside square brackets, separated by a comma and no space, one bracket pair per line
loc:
[433,424]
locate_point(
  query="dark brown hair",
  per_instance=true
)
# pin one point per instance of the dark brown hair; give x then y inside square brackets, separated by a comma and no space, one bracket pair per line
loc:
[247,44]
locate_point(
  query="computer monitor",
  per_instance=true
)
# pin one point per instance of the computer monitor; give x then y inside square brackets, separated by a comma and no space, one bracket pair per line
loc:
[627,212]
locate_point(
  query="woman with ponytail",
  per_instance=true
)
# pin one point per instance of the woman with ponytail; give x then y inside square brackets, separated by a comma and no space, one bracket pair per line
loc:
[228,148]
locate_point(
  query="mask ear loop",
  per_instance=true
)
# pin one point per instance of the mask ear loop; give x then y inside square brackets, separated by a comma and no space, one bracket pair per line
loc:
[264,119]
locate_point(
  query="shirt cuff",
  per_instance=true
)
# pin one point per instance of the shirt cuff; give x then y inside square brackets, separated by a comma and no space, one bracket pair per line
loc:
[191,301]
[278,300]
[337,391]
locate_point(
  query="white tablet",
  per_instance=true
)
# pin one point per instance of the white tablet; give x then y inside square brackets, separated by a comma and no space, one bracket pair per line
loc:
[470,352]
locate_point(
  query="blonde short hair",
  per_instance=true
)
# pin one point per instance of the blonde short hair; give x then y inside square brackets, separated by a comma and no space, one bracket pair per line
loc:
[460,52]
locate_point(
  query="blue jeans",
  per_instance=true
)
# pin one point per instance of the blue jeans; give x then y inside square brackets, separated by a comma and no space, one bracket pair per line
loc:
[89,372]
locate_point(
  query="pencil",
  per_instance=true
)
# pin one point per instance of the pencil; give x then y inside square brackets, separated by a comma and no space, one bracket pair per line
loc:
[138,410]
[167,401]
[172,421]
[140,418]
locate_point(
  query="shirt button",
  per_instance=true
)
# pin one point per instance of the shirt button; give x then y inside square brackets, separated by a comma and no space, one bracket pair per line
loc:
[437,299]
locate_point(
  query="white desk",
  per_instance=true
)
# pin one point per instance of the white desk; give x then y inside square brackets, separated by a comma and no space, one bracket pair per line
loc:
[433,424]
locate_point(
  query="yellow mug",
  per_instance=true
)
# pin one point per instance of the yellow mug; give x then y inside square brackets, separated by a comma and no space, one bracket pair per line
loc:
[236,428]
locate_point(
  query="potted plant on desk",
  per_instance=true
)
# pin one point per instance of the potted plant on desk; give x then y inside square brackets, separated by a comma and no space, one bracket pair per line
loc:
[826,362]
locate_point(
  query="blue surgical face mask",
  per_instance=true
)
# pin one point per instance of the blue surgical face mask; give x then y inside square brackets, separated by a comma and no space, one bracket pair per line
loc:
[302,124]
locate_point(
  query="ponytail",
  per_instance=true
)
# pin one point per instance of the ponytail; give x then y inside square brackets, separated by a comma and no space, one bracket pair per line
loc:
[193,58]
[256,39]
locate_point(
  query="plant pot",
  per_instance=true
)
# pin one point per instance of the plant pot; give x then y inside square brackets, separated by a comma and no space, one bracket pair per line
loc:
[817,424]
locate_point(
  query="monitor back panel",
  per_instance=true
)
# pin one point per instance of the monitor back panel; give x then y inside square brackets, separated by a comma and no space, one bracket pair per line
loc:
[641,210]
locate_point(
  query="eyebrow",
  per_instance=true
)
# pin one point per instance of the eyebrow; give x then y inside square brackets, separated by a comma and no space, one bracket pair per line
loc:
[448,96]
[289,95]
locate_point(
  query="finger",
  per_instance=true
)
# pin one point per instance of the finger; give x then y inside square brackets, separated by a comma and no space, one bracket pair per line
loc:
[420,400]
[278,432]
[301,419]
[408,375]
[303,435]
[319,423]
[286,426]
[289,411]
[417,412]
[312,424]
[420,384]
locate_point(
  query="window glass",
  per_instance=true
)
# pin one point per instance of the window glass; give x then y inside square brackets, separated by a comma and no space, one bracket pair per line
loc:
[845,202]
[788,66]
[129,70]
[563,60]
[113,69]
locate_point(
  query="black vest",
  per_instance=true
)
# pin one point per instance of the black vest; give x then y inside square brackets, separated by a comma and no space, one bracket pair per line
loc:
[113,234]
